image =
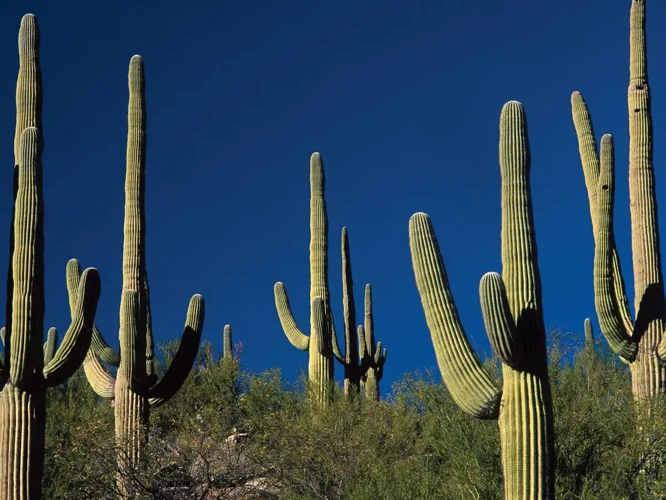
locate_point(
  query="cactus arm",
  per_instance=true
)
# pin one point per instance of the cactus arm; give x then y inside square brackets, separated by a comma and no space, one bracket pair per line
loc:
[76,341]
[350,359]
[319,323]
[590,161]
[501,328]
[99,379]
[27,264]
[227,343]
[611,324]
[151,372]
[3,334]
[97,344]
[50,345]
[182,363]
[468,382]
[297,338]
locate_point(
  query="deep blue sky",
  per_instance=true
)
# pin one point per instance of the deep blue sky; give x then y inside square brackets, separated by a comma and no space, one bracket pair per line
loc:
[401,98]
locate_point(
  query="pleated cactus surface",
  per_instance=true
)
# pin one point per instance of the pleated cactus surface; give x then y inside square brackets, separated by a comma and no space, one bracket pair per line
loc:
[512,312]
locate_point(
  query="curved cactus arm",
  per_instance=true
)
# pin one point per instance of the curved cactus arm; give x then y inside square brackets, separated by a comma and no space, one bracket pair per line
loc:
[27,262]
[76,341]
[182,363]
[319,324]
[468,382]
[3,333]
[99,379]
[500,325]
[591,163]
[610,322]
[50,345]
[151,371]
[98,345]
[297,338]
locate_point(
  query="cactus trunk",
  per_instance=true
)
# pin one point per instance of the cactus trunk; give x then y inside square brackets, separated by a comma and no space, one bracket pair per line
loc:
[511,306]
[642,343]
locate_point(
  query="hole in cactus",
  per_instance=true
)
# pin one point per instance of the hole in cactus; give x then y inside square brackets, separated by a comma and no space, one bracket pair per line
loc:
[636,110]
[604,187]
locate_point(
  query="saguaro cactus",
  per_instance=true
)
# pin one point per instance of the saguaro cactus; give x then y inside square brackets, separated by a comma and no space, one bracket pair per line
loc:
[136,389]
[227,343]
[27,370]
[320,366]
[373,356]
[511,306]
[641,343]
[589,335]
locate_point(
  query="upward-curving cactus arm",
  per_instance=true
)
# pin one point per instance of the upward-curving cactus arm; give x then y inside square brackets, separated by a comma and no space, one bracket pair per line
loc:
[605,299]
[297,338]
[512,313]
[182,363]
[469,383]
[617,304]
[50,345]
[76,341]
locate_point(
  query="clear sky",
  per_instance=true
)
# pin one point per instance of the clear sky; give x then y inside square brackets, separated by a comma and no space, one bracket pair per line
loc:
[401,98]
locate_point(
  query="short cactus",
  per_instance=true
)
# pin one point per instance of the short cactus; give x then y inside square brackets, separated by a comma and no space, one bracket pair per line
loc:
[640,343]
[136,388]
[227,343]
[511,306]
[373,356]
[320,366]
[589,335]
[360,357]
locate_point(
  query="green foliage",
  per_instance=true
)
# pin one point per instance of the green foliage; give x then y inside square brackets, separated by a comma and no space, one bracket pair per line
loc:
[233,434]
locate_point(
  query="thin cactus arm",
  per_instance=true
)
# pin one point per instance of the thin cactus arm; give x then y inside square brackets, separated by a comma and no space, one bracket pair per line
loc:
[297,338]
[151,371]
[99,379]
[610,322]
[98,345]
[591,164]
[350,359]
[50,345]
[319,324]
[468,382]
[76,342]
[182,363]
[499,322]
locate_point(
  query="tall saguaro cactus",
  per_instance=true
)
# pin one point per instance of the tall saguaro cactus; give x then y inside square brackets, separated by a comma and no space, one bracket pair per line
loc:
[641,343]
[29,367]
[512,312]
[320,366]
[27,370]
[136,389]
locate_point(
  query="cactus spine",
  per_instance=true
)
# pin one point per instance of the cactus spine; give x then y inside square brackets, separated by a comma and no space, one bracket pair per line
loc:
[136,389]
[29,368]
[320,365]
[511,306]
[642,343]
